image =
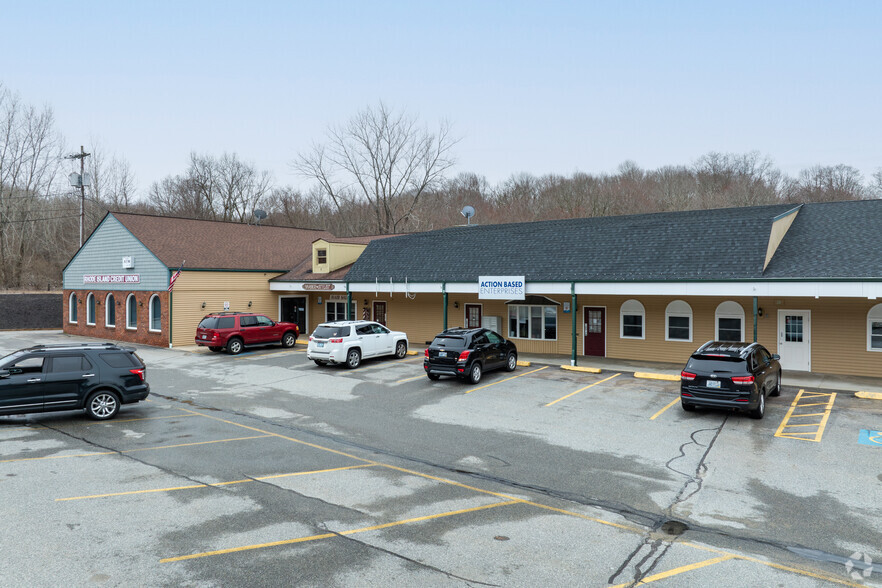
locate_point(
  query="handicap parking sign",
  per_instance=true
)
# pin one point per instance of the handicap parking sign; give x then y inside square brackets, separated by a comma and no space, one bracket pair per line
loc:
[868,437]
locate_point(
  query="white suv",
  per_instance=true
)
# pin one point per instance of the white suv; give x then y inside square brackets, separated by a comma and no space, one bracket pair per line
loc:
[350,341]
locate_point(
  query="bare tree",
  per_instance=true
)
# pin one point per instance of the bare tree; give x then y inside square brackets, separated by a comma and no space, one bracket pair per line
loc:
[826,183]
[384,158]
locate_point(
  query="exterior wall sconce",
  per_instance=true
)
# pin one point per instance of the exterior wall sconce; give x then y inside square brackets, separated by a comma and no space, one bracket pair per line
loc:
[249,304]
[140,303]
[455,304]
[759,312]
[365,301]
[203,305]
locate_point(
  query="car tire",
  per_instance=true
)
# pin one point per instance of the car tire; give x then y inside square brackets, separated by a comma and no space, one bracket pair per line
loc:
[234,346]
[433,377]
[400,349]
[687,407]
[215,349]
[760,409]
[320,363]
[511,362]
[289,339]
[475,373]
[102,405]
[353,358]
[777,390]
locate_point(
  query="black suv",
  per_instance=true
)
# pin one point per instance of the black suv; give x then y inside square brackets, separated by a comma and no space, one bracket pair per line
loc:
[730,375]
[468,353]
[95,377]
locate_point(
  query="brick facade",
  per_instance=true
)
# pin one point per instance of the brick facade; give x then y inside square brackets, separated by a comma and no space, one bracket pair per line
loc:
[142,334]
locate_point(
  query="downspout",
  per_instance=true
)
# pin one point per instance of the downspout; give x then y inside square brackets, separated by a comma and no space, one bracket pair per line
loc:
[170,314]
[444,292]
[348,302]
[755,311]
[573,294]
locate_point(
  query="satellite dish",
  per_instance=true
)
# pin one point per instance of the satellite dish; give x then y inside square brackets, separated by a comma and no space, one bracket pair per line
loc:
[468,212]
[260,215]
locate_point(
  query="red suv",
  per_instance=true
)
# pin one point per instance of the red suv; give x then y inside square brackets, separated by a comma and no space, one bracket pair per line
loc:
[236,330]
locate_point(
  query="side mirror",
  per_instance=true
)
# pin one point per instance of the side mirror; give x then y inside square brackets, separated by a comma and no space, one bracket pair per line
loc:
[775,356]
[4,373]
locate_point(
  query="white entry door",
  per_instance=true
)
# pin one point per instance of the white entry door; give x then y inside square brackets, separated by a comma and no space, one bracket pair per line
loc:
[795,339]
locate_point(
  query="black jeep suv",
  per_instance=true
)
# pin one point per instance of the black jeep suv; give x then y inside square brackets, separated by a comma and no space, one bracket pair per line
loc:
[722,374]
[467,353]
[95,377]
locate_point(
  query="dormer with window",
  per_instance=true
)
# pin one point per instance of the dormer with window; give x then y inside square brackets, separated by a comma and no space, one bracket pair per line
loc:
[328,257]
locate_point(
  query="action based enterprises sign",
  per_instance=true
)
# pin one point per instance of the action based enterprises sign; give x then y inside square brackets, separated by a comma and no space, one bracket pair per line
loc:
[501,287]
[112,279]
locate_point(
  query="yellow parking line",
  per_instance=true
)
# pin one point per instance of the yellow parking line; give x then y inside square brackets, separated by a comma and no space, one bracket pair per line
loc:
[659,413]
[677,571]
[791,414]
[230,483]
[134,450]
[114,421]
[580,389]
[330,535]
[507,379]
[410,379]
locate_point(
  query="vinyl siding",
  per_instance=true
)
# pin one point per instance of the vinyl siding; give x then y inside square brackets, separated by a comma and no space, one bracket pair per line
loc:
[214,288]
[103,253]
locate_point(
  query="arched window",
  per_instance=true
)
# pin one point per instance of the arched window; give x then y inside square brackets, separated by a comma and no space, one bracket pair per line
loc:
[874,328]
[155,313]
[109,311]
[90,309]
[72,308]
[678,321]
[131,312]
[632,320]
[729,320]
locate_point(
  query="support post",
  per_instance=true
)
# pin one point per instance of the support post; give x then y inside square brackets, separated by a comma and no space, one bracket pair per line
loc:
[348,303]
[574,311]
[755,312]
[444,293]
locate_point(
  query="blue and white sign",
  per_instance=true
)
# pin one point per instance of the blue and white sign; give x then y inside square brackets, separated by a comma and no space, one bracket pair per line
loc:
[501,287]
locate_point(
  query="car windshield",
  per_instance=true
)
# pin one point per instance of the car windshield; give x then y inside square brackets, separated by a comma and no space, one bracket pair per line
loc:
[10,359]
[448,341]
[326,331]
[705,363]
[209,322]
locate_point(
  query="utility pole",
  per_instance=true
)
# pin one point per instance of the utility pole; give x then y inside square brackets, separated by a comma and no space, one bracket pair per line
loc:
[81,182]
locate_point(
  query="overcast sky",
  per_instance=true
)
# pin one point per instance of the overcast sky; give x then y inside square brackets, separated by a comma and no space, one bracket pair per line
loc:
[538,87]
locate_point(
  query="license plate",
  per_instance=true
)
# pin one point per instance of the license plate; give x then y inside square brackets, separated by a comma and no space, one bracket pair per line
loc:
[205,336]
[319,344]
[442,354]
[713,383]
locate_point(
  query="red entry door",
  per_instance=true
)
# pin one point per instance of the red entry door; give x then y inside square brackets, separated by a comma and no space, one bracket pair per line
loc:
[594,327]
[473,316]
[380,312]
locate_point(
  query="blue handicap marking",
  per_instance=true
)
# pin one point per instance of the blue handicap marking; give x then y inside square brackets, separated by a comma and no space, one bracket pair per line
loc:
[868,437]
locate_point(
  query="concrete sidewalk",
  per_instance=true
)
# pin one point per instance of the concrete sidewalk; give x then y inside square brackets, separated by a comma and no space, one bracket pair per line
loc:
[790,378]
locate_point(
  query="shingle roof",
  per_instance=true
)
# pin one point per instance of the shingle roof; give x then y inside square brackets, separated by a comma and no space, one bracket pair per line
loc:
[303,272]
[221,245]
[720,244]
[832,240]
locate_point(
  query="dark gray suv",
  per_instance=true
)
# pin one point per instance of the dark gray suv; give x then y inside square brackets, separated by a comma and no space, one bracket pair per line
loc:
[96,378]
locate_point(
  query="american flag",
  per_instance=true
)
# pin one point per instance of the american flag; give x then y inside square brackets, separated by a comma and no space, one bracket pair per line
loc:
[171,281]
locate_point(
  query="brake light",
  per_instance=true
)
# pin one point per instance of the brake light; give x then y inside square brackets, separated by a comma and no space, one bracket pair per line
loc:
[138,372]
[742,400]
[464,355]
[335,340]
[742,380]
[686,394]
[427,352]
[688,376]
[310,337]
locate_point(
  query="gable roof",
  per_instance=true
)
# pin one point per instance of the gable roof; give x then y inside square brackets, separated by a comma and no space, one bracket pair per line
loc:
[716,245]
[221,245]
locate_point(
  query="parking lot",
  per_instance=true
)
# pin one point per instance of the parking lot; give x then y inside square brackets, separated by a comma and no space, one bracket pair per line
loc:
[265,469]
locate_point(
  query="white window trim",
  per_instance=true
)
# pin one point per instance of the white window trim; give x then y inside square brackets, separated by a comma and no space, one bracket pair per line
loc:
[641,314]
[874,315]
[128,315]
[718,315]
[90,296]
[669,313]
[72,309]
[150,315]
[529,323]
[328,304]
[107,308]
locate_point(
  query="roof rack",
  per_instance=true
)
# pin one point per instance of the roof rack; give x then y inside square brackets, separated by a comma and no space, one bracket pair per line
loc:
[106,345]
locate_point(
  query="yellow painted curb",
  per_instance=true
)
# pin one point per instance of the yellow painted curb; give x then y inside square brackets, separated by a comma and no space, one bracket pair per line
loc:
[525,363]
[576,368]
[412,352]
[869,395]
[648,376]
